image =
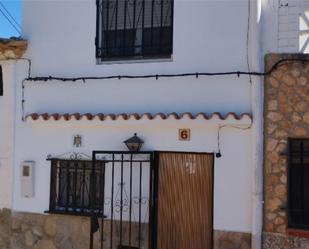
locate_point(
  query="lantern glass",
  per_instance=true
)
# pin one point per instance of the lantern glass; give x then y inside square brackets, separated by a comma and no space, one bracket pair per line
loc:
[133,146]
[134,143]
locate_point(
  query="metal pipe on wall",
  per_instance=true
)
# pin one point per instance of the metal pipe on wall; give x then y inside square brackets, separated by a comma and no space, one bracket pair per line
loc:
[255,58]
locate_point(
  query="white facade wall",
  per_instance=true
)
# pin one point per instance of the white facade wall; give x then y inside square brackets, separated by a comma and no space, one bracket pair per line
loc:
[7,110]
[288,26]
[209,36]
[64,46]
[232,190]
[283,26]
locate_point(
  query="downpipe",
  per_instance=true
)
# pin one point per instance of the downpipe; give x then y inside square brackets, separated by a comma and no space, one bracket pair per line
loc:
[255,58]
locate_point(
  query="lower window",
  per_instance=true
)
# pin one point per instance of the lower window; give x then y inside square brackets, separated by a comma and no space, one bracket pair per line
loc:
[70,186]
[298,184]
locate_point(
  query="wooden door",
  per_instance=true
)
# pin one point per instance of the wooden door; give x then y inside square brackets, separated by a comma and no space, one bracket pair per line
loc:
[185,196]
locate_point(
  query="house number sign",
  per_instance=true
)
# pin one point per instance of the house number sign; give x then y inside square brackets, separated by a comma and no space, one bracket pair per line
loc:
[184,134]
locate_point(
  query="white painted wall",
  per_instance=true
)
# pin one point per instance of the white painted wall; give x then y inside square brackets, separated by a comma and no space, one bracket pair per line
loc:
[209,36]
[61,38]
[232,206]
[209,95]
[7,110]
[283,25]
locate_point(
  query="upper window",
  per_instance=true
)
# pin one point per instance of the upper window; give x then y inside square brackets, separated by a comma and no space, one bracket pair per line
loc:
[134,29]
[298,183]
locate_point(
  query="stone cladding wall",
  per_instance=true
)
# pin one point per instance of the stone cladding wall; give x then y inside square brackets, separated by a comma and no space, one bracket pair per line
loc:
[281,241]
[286,114]
[231,240]
[5,231]
[37,231]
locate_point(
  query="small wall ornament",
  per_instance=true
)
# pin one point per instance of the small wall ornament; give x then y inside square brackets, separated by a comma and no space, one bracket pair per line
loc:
[77,141]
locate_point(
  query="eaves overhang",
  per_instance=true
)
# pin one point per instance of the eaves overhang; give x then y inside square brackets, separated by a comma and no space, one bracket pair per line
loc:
[215,118]
[12,48]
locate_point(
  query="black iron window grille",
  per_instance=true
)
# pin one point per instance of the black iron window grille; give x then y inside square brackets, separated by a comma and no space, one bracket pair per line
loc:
[70,186]
[134,29]
[298,184]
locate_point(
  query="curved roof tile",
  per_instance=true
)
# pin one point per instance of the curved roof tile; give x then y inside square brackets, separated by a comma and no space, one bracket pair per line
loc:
[136,116]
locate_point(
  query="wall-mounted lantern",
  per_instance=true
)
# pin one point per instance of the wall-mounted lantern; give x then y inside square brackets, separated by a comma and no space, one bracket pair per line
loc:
[134,143]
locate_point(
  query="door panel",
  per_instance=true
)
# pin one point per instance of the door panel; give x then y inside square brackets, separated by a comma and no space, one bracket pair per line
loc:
[185,196]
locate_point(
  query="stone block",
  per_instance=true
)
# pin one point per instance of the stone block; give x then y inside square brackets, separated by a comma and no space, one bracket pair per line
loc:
[231,240]
[50,226]
[44,244]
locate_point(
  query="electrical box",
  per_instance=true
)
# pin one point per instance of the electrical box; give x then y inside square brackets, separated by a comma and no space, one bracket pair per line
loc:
[27,179]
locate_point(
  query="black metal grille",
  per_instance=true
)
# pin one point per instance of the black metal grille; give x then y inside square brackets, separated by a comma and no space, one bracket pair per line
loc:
[298,183]
[127,203]
[134,29]
[70,186]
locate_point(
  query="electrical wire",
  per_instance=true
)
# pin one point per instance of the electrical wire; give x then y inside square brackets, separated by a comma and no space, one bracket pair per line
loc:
[23,85]
[8,19]
[220,127]
[248,39]
[157,76]
[8,12]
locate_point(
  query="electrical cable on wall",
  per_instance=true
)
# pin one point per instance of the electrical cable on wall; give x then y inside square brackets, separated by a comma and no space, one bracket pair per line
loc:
[248,39]
[155,76]
[23,100]
[23,84]
[220,127]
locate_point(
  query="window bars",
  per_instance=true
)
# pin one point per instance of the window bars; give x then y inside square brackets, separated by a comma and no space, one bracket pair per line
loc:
[134,29]
[70,186]
[115,188]
[298,183]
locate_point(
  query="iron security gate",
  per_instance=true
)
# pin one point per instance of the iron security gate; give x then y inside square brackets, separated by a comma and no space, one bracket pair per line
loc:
[124,218]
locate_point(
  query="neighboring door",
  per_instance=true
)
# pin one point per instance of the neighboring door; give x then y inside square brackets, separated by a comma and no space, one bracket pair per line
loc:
[185,201]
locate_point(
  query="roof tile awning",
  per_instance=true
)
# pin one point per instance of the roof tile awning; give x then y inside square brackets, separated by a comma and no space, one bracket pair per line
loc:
[12,48]
[135,116]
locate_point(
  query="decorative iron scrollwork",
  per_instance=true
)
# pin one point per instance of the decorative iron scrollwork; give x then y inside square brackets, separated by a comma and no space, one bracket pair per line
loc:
[71,156]
[125,197]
